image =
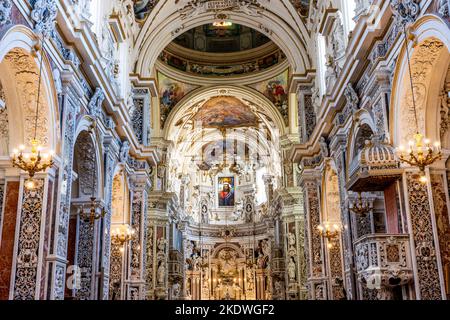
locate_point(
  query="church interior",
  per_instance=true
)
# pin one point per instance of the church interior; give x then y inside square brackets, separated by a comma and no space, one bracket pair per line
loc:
[224,150]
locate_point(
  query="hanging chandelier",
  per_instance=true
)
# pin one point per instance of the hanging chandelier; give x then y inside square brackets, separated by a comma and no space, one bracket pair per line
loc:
[92,214]
[360,207]
[34,161]
[421,153]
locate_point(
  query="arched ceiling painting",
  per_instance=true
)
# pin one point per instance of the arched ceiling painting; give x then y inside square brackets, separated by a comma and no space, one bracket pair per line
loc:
[226,112]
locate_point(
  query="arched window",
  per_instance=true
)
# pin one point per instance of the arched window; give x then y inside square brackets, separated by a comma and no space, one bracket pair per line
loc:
[95,11]
[321,62]
[349,12]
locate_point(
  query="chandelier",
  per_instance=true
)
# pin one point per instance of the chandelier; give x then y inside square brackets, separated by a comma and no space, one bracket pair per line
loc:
[91,214]
[360,207]
[421,152]
[34,161]
[330,231]
[122,234]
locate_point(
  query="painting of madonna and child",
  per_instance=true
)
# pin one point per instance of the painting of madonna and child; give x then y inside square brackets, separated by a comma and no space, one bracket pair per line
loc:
[226,189]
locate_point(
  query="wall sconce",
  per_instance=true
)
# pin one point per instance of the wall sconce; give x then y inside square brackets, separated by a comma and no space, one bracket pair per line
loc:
[122,234]
[330,231]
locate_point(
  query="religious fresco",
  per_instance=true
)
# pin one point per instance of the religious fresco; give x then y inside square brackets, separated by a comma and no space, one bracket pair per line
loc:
[302,7]
[226,112]
[142,8]
[170,93]
[226,190]
[221,70]
[220,39]
[276,90]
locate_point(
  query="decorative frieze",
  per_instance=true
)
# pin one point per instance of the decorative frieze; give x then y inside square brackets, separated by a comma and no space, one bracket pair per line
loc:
[44,14]
[5,12]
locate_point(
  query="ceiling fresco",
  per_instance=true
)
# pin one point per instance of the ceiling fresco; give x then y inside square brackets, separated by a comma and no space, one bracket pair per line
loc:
[276,90]
[171,91]
[226,112]
[221,39]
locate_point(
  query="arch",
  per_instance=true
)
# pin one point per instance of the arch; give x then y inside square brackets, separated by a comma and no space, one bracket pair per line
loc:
[360,131]
[19,61]
[84,129]
[430,59]
[152,40]
[331,202]
[231,246]
[195,98]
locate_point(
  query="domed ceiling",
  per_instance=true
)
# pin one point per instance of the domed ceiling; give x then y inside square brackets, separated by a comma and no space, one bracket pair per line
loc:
[220,39]
[225,50]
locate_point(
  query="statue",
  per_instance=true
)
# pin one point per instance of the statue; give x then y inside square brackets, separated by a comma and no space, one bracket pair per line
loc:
[291,270]
[324,147]
[316,100]
[124,149]
[352,97]
[265,246]
[278,289]
[161,273]
[176,289]
[250,279]
[95,104]
[291,240]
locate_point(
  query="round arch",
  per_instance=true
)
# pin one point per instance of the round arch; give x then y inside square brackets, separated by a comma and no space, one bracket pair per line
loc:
[20,61]
[430,59]
[190,104]
[331,197]
[365,123]
[152,40]
[83,128]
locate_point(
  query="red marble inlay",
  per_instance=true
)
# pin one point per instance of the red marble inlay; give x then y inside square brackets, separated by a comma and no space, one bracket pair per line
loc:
[8,235]
[71,247]
[46,238]
[390,200]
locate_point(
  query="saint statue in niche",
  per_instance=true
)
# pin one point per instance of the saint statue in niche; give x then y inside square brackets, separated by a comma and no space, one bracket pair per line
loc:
[226,191]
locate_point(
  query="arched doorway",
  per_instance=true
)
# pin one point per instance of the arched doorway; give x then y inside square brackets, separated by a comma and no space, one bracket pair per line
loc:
[21,209]
[120,226]
[83,241]
[427,203]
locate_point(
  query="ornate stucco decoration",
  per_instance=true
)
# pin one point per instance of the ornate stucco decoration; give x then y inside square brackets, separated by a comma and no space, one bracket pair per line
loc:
[44,14]
[352,97]
[198,7]
[444,8]
[405,11]
[375,166]
[95,104]
[124,151]
[5,12]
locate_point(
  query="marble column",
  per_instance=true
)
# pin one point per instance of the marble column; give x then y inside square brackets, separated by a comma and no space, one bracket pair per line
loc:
[316,280]
[140,187]
[425,253]
[110,162]
[29,270]
[10,201]
[57,258]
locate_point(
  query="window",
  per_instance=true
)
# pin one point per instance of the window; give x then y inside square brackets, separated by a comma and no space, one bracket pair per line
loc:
[321,62]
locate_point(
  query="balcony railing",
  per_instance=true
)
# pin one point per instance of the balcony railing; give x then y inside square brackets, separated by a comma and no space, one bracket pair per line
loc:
[383,259]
